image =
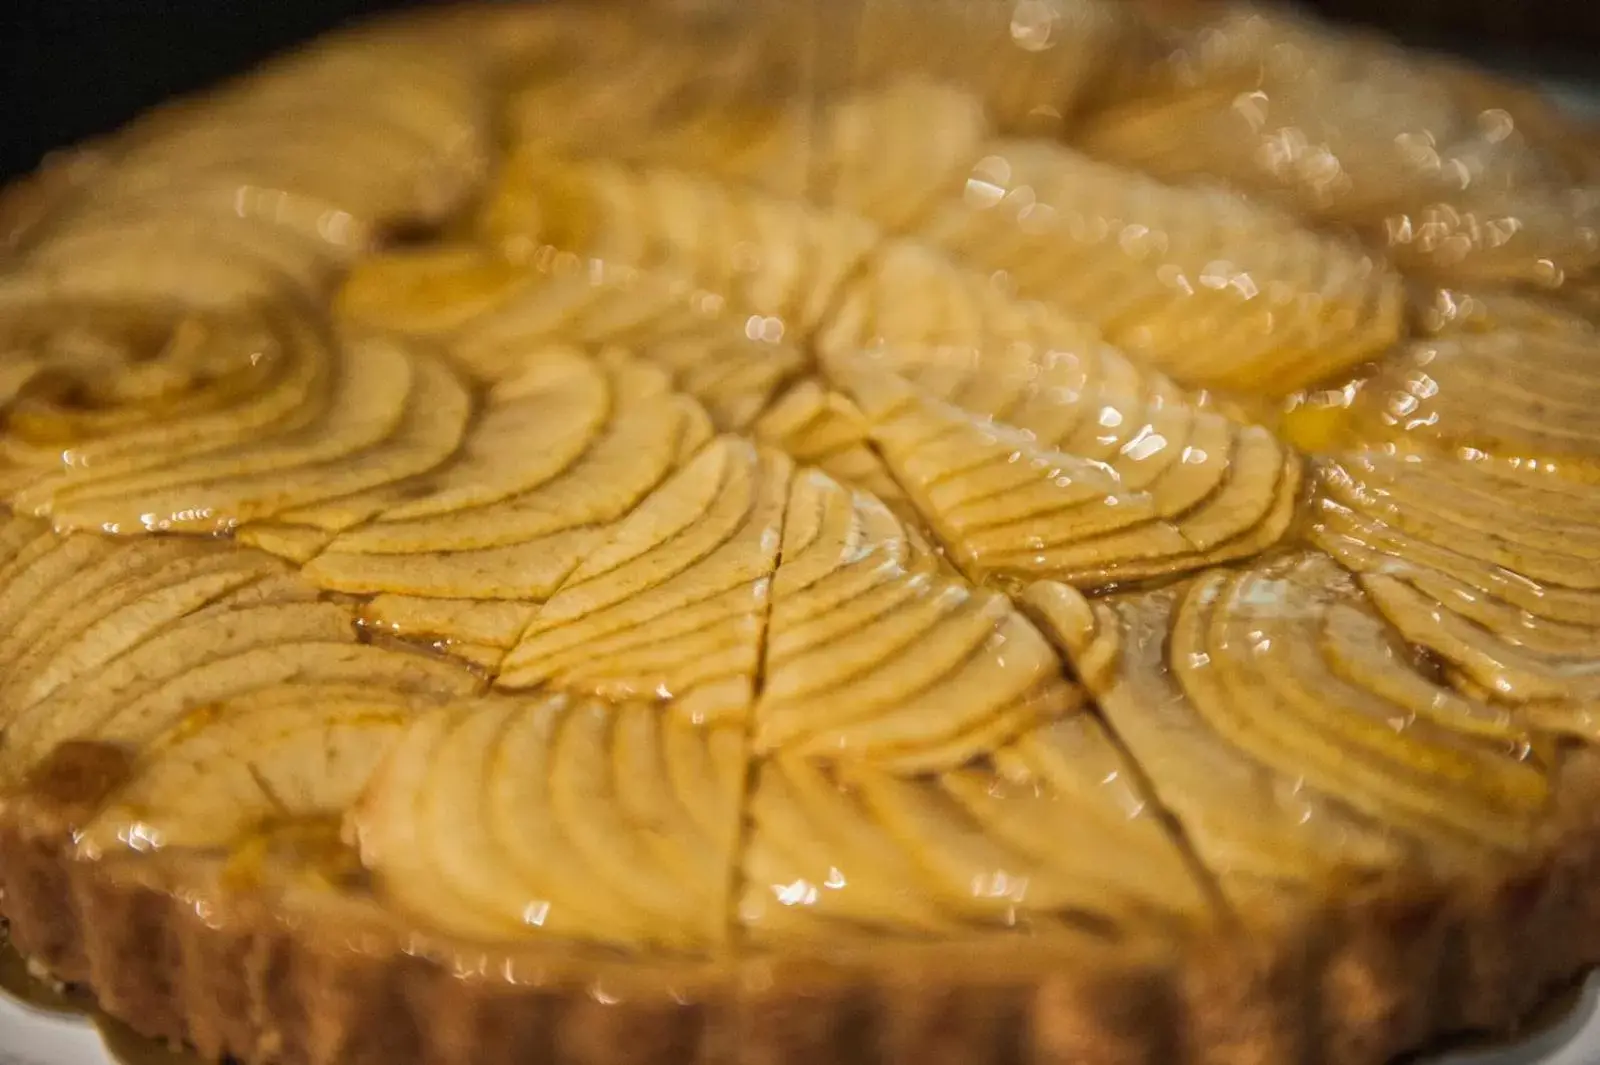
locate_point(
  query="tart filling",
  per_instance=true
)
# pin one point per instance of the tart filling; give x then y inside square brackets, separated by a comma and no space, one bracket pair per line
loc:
[865,559]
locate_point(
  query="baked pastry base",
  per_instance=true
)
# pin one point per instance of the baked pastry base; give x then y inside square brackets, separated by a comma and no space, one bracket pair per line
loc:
[285,971]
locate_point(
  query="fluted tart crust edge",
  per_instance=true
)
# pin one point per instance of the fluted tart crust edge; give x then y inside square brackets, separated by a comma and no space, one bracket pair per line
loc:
[277,972]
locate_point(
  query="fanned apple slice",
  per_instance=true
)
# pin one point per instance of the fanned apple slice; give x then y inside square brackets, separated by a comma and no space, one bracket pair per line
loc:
[396,412]
[431,290]
[498,314]
[822,428]
[1205,286]
[1278,690]
[1008,502]
[483,631]
[852,847]
[774,257]
[511,818]
[278,755]
[214,381]
[1495,571]
[466,575]
[1251,826]
[1267,685]
[147,594]
[272,612]
[1450,393]
[874,654]
[1463,175]
[672,607]
[434,418]
[142,719]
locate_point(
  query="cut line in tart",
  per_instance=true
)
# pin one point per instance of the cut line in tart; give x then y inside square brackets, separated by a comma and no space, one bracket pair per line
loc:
[619,535]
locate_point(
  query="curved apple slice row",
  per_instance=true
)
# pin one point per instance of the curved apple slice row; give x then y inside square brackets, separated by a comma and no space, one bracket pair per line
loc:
[106,372]
[1355,107]
[467,575]
[141,653]
[1494,571]
[278,755]
[1032,70]
[671,607]
[1452,392]
[1246,649]
[924,314]
[874,654]
[1009,503]
[396,412]
[142,719]
[821,428]
[507,819]
[1027,843]
[269,375]
[1254,828]
[774,257]
[432,290]
[1214,290]
[105,609]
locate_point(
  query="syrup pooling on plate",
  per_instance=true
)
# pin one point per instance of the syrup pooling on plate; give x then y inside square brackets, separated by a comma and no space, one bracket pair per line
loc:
[828,515]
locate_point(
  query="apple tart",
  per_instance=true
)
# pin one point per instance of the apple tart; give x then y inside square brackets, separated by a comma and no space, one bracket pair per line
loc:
[622,535]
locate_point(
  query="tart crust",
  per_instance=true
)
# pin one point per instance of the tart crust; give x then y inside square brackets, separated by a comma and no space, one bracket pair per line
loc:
[281,970]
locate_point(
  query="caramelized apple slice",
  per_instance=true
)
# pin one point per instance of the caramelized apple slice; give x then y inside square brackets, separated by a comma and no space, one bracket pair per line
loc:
[671,607]
[1024,843]
[773,257]
[588,465]
[395,412]
[1495,571]
[1462,175]
[1205,286]
[1451,393]
[1269,690]
[873,654]
[284,754]
[507,819]
[1250,825]
[1010,502]
[822,428]
[157,392]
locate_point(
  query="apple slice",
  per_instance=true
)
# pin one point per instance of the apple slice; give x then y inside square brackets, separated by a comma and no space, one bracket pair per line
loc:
[1203,285]
[398,412]
[1021,844]
[151,589]
[791,258]
[687,571]
[1008,502]
[1254,829]
[293,753]
[874,654]
[1255,669]
[1493,570]
[278,611]
[1448,393]
[294,353]
[825,429]
[508,819]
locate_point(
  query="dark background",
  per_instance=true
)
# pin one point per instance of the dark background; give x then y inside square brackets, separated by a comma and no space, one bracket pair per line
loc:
[72,68]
